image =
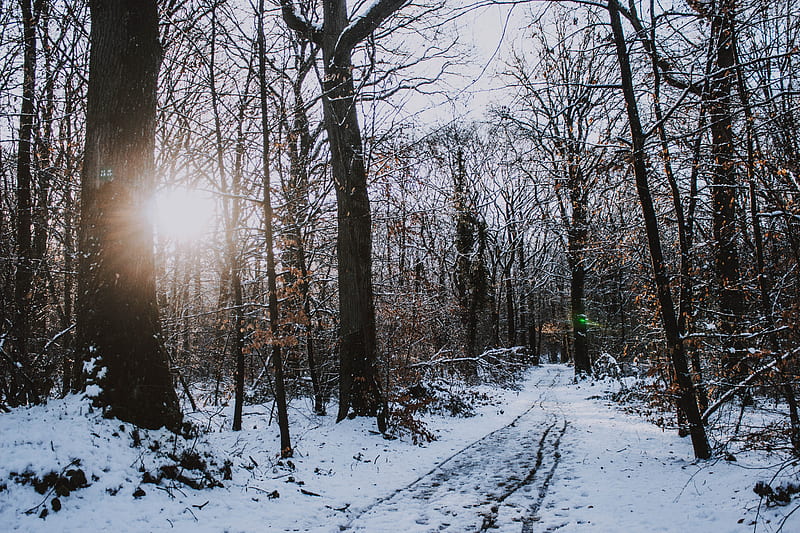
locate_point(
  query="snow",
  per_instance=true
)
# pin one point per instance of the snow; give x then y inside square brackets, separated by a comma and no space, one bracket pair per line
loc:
[597,469]
[622,474]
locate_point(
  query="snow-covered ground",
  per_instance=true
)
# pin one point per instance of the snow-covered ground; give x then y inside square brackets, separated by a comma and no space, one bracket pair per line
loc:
[607,471]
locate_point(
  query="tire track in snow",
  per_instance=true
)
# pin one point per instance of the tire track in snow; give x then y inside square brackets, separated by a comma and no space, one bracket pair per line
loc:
[468,490]
[527,523]
[519,503]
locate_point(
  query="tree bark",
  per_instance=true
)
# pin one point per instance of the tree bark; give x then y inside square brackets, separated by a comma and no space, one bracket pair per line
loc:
[579,329]
[469,289]
[119,334]
[578,233]
[525,337]
[511,326]
[67,364]
[359,391]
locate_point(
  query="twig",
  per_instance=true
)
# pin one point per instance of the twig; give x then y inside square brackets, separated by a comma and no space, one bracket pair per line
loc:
[191,513]
[340,509]
[785,518]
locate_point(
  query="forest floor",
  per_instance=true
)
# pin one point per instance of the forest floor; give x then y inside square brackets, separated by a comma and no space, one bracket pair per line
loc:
[550,456]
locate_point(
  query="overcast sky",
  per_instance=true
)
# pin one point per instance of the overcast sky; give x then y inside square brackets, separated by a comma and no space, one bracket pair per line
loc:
[487,34]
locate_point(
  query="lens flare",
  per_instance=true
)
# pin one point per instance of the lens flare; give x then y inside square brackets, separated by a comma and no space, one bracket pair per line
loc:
[182,214]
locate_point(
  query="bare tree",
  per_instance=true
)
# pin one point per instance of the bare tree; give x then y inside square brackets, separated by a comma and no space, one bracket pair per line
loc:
[675,344]
[23,388]
[274,313]
[359,390]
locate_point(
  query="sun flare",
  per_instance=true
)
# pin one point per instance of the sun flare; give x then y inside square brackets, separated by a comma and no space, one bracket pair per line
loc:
[182,214]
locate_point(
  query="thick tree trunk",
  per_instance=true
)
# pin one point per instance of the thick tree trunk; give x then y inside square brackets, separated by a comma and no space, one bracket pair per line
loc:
[675,346]
[359,389]
[119,334]
[579,329]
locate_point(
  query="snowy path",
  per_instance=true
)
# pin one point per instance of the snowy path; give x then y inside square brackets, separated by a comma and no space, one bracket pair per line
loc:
[550,457]
[497,480]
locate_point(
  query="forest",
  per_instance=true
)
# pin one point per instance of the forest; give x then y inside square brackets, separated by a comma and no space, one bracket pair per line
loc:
[347,212]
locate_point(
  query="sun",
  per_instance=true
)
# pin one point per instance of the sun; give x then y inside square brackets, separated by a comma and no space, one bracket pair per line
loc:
[181,214]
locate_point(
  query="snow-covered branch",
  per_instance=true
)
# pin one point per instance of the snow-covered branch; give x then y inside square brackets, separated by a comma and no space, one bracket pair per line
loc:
[773,365]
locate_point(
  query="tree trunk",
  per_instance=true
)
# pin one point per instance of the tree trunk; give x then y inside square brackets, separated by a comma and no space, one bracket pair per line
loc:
[41,218]
[274,314]
[359,389]
[687,309]
[69,252]
[577,250]
[579,330]
[511,326]
[22,390]
[525,338]
[119,334]
[467,267]
[724,179]
[675,346]
[71,370]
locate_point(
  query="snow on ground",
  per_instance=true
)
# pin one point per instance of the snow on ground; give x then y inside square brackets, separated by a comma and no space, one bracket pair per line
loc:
[616,472]
[620,473]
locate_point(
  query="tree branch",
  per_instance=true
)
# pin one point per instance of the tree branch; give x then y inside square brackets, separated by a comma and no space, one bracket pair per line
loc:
[756,373]
[361,27]
[298,23]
